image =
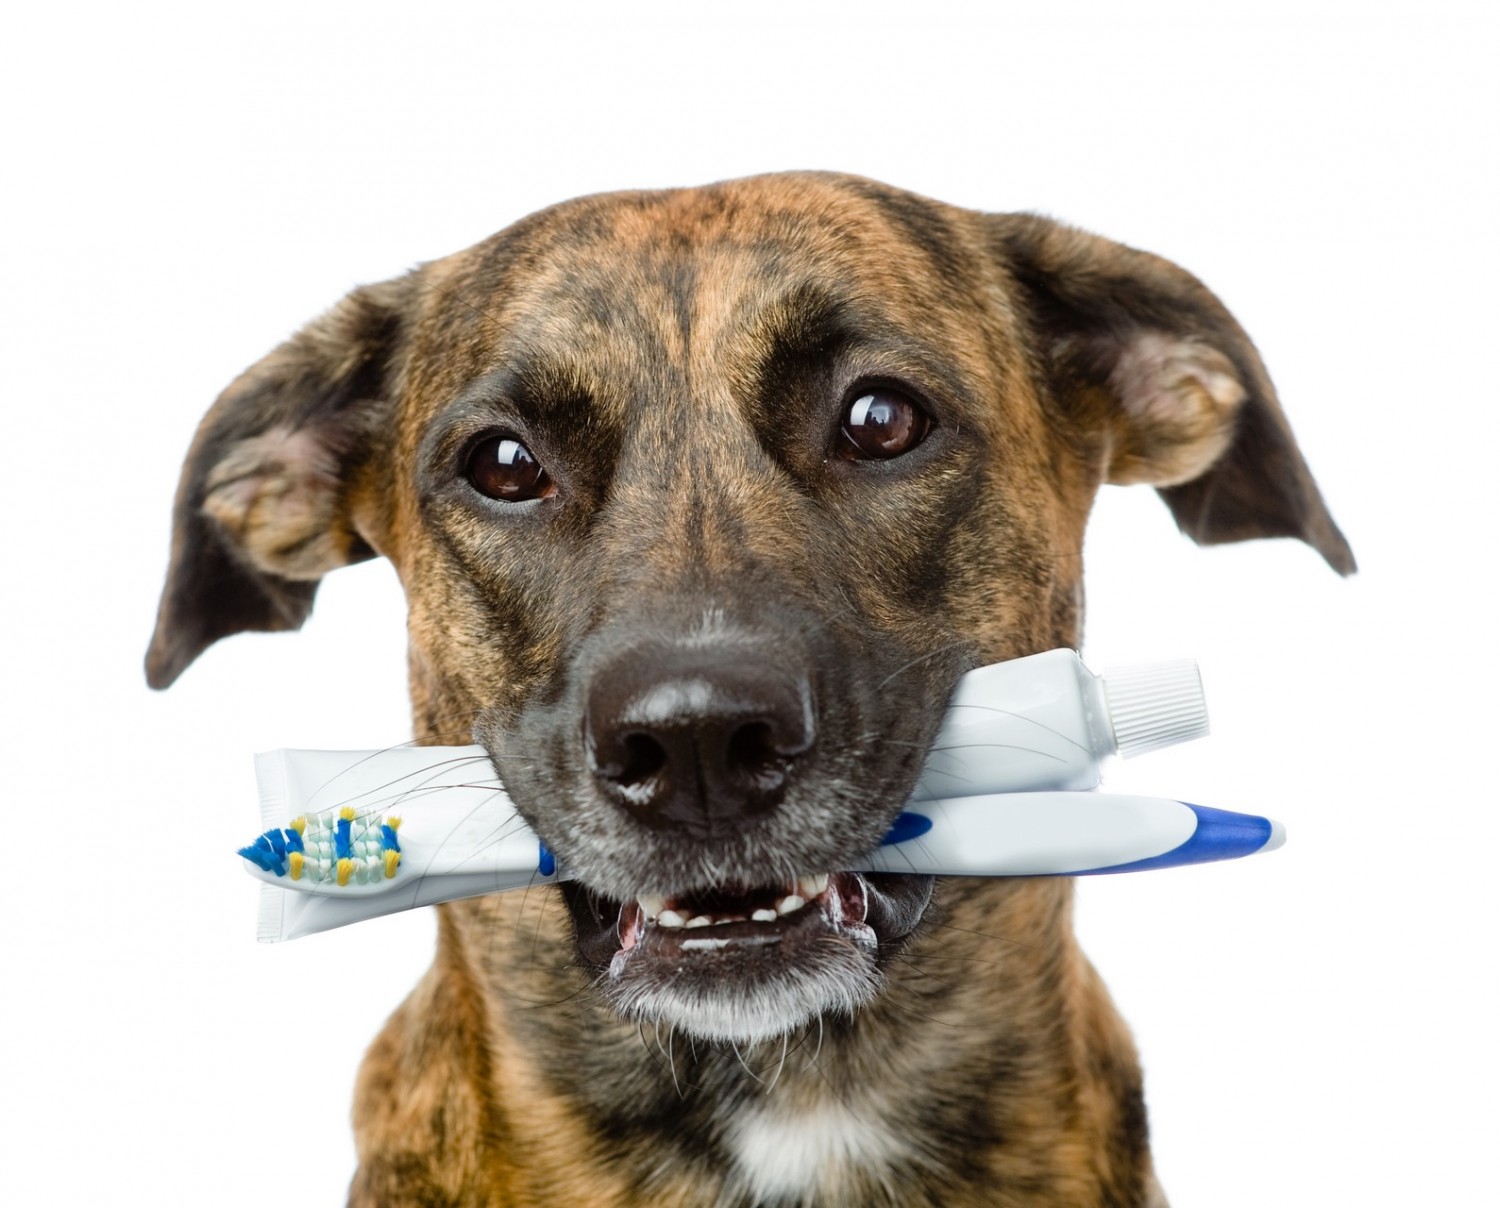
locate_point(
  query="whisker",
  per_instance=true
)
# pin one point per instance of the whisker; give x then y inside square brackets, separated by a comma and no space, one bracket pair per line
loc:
[781,1065]
[640,1028]
[744,1064]
[672,1061]
[1029,720]
[997,939]
[931,654]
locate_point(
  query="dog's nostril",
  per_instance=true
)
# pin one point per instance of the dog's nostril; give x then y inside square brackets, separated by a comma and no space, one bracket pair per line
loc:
[752,754]
[644,758]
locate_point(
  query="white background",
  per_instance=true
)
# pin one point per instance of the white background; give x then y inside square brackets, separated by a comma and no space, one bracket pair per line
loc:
[184,186]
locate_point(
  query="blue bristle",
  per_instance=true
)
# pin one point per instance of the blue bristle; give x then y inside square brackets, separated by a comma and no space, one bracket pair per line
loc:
[264,843]
[388,841]
[293,841]
[263,857]
[277,845]
[341,844]
[546,862]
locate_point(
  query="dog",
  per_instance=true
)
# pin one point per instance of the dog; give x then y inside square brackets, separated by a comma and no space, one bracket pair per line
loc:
[703,500]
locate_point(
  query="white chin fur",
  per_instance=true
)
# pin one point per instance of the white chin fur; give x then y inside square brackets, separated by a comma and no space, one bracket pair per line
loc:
[749,1015]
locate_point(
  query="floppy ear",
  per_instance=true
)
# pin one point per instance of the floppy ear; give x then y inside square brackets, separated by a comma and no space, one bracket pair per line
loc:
[1141,350]
[263,508]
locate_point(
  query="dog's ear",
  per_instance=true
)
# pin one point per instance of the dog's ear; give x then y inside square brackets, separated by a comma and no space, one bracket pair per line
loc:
[1146,355]
[264,507]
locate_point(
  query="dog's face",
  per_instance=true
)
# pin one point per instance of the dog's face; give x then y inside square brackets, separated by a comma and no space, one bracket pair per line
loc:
[702,501]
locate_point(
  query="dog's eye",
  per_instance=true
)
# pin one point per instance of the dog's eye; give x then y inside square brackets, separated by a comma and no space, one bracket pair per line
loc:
[882,424]
[503,468]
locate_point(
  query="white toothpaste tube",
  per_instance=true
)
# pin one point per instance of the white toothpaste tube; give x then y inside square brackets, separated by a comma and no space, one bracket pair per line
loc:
[1047,722]
[1038,723]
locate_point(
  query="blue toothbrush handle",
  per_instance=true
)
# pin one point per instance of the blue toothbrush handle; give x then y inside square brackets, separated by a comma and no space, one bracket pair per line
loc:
[1062,833]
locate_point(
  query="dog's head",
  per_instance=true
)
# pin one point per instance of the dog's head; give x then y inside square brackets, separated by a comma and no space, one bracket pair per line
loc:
[702,501]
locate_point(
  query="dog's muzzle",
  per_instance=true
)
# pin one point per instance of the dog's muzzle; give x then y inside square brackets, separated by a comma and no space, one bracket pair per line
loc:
[716,751]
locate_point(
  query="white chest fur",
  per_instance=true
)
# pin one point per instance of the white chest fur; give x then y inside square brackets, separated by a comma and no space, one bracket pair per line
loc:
[781,1150]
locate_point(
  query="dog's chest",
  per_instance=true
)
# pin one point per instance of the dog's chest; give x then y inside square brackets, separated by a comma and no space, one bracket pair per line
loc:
[780,1150]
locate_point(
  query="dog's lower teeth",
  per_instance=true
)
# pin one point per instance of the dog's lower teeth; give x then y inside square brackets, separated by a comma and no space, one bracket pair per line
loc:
[651,905]
[764,916]
[790,903]
[701,920]
[669,918]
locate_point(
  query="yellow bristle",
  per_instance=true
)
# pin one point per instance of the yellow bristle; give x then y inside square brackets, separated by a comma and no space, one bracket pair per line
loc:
[347,813]
[393,822]
[294,864]
[346,867]
[392,858]
[299,825]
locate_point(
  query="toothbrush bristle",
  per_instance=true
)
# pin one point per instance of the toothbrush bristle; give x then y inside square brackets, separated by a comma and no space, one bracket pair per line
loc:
[263,854]
[340,846]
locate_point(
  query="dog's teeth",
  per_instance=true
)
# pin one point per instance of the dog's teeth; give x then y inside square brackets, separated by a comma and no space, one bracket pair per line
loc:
[698,920]
[764,916]
[790,903]
[669,918]
[812,887]
[651,905]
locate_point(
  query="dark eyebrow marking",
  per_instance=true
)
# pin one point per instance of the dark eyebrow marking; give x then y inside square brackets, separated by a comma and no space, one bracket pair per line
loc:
[809,329]
[538,390]
[922,223]
[796,334]
[803,321]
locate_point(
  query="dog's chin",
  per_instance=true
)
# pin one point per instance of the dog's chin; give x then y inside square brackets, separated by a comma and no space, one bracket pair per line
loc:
[752,964]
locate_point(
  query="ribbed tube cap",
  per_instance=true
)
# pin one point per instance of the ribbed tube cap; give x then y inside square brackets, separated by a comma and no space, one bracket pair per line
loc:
[1155,705]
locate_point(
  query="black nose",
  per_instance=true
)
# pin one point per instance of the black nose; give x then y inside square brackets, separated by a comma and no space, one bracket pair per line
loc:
[696,740]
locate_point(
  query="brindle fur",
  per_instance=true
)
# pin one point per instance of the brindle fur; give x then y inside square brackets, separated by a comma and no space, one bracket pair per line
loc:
[677,360]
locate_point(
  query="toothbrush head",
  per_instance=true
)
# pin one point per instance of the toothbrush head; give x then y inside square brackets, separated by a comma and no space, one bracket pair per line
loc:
[339,851]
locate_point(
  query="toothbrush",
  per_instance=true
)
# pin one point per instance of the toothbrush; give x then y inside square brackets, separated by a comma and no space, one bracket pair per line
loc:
[415,833]
[352,854]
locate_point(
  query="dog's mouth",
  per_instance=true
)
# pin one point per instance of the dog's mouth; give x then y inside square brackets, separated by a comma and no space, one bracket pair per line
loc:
[754,917]
[746,963]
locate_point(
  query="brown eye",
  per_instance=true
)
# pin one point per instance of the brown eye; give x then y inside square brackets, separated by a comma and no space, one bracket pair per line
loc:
[503,468]
[880,425]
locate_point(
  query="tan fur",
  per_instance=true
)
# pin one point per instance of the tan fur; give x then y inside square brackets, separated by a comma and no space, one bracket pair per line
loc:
[1066,361]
